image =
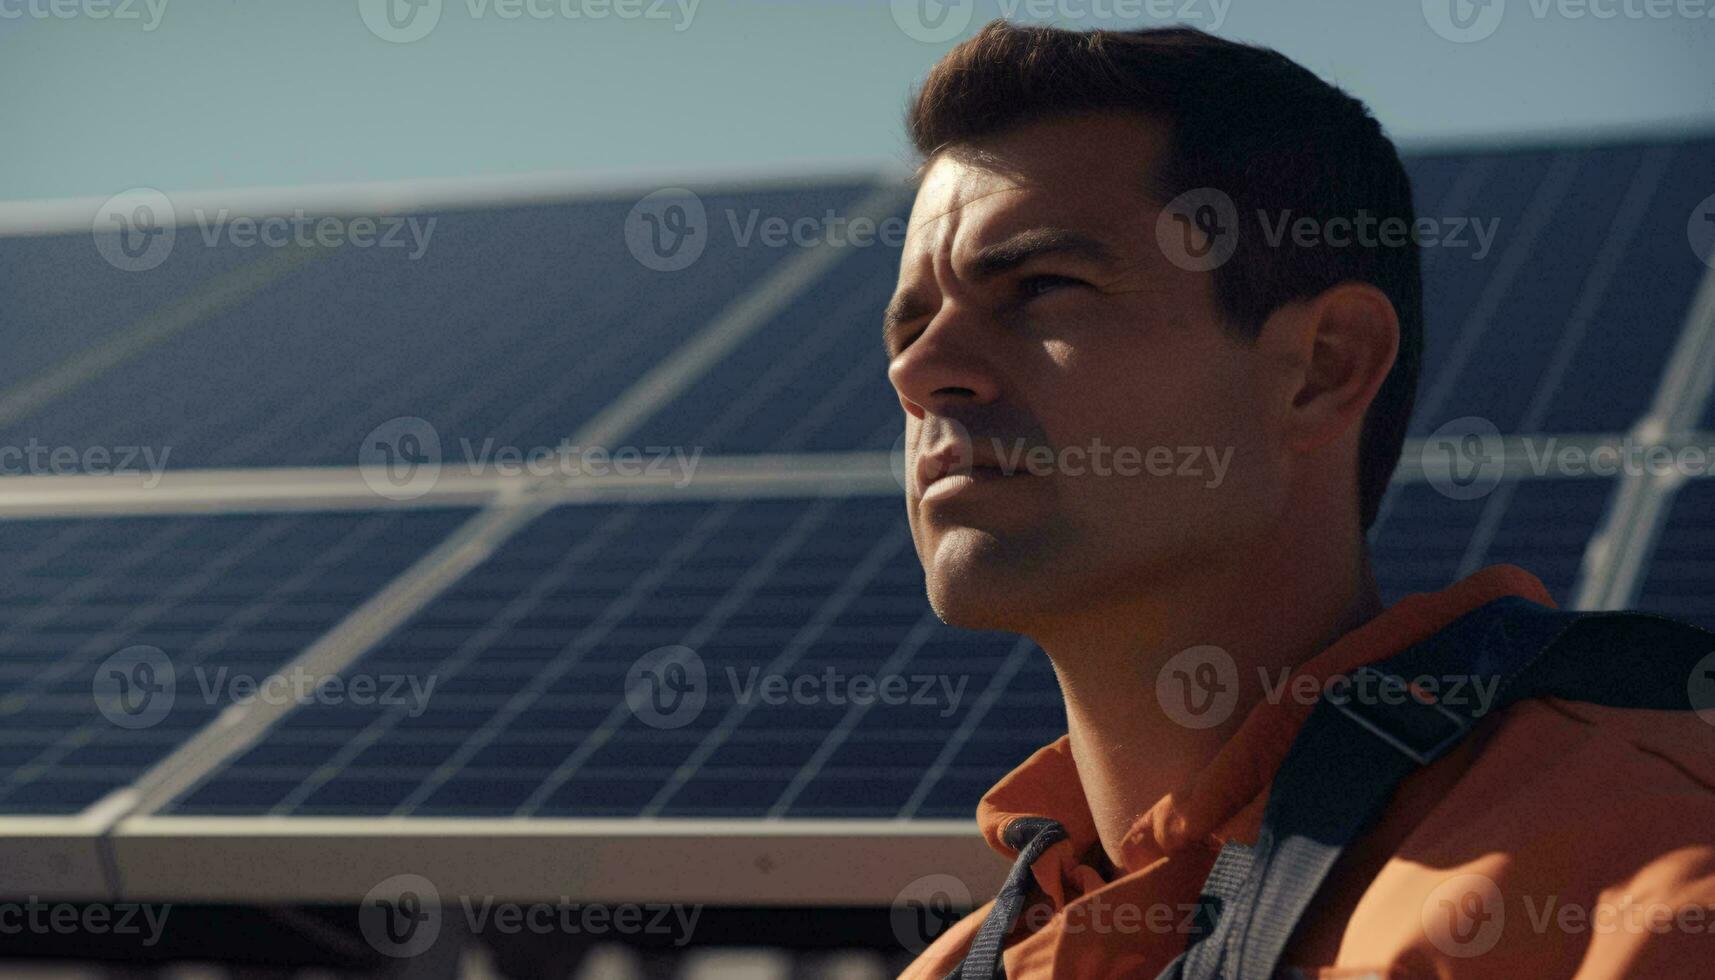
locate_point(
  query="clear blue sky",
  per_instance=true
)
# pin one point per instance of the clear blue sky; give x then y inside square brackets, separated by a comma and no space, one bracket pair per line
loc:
[238,93]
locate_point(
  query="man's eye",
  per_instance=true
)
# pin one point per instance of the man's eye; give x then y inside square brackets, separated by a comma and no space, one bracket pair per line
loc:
[1035,286]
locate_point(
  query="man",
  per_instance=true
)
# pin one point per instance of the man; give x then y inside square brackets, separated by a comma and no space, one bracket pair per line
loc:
[1084,295]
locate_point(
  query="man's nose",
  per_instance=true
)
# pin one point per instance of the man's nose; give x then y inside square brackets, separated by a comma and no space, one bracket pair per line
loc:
[950,364]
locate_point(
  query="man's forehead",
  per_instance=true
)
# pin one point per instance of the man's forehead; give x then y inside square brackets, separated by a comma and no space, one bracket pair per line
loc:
[1090,173]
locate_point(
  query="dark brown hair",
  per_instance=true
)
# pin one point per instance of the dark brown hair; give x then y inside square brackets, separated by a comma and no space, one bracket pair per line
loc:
[1245,120]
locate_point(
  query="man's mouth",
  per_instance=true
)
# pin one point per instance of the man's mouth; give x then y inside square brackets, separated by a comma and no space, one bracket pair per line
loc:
[955,468]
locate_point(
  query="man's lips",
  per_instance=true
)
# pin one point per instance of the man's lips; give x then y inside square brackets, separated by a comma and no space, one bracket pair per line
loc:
[952,467]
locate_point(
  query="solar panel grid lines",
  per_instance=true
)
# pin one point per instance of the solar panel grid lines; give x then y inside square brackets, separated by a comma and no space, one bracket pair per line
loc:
[210,599]
[1645,505]
[884,548]
[1513,260]
[588,638]
[738,323]
[216,640]
[895,664]
[1021,650]
[728,325]
[791,364]
[462,656]
[331,651]
[1456,199]
[365,351]
[1679,579]
[734,598]
[1596,283]
[800,374]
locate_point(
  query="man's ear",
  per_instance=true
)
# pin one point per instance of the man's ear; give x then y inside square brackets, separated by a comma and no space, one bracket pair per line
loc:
[1344,341]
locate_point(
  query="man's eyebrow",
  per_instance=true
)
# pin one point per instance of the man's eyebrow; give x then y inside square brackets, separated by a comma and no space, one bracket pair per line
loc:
[1010,253]
[997,259]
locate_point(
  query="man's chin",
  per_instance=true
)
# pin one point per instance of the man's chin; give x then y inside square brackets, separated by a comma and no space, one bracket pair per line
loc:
[981,582]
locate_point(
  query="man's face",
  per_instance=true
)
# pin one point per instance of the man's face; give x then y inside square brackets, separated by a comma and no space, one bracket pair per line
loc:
[1102,429]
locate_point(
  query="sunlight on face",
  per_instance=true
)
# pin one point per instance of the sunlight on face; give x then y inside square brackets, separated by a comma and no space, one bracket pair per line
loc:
[1076,415]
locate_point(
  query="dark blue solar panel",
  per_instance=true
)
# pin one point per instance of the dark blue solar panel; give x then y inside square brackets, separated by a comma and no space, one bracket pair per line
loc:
[814,379]
[531,652]
[1566,277]
[61,297]
[1681,577]
[514,325]
[1425,540]
[1566,325]
[218,598]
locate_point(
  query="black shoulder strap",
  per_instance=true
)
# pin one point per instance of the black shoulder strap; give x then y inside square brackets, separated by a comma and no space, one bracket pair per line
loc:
[1362,739]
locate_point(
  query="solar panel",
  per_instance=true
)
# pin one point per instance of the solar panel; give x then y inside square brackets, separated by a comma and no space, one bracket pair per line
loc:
[600,674]
[1561,322]
[202,604]
[487,341]
[1430,539]
[1681,578]
[61,297]
[532,652]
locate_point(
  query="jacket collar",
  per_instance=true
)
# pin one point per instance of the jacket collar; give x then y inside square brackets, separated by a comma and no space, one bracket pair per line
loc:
[1225,800]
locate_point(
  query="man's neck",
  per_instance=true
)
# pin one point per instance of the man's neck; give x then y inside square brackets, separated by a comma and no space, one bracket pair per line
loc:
[1268,615]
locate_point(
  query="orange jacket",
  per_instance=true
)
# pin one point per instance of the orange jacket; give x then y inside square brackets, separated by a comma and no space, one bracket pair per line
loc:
[1562,839]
